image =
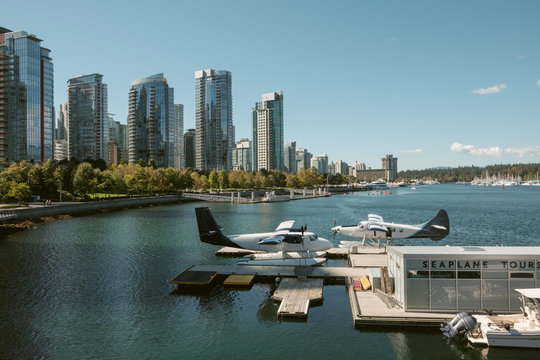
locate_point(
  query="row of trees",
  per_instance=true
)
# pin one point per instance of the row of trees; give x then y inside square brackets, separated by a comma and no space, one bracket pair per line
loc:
[468,173]
[73,179]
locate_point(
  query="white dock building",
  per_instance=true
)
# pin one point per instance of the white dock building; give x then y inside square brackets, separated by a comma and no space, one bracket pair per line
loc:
[468,278]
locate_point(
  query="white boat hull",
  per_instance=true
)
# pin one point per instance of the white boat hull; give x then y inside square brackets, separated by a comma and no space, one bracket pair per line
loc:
[494,335]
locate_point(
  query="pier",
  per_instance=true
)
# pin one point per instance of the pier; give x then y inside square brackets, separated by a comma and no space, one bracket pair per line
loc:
[255,197]
[296,296]
[372,303]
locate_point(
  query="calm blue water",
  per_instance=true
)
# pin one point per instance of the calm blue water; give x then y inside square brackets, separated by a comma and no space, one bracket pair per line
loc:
[97,286]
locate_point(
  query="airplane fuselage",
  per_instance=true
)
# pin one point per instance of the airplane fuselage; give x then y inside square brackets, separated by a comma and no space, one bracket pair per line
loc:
[398,231]
[285,241]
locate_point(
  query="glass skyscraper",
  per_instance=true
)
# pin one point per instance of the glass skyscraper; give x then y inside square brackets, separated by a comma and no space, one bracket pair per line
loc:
[179,161]
[88,124]
[213,120]
[268,132]
[289,157]
[189,148]
[31,125]
[151,121]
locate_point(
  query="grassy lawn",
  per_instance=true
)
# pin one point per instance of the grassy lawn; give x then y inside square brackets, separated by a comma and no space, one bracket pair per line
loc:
[11,206]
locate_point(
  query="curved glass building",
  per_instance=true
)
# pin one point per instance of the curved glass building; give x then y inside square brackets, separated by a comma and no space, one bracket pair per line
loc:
[151,121]
[213,120]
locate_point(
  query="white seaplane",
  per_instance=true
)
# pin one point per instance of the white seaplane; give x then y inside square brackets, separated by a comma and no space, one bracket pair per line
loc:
[287,245]
[376,229]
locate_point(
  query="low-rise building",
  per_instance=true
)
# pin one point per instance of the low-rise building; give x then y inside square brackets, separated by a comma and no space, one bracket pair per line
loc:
[462,278]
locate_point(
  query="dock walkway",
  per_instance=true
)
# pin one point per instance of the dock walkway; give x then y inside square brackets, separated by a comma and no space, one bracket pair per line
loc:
[368,308]
[337,273]
[296,295]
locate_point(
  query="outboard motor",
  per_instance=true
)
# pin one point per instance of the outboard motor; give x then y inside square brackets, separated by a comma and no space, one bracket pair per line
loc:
[462,323]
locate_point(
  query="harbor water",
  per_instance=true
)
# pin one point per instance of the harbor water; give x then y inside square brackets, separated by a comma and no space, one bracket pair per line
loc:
[96,287]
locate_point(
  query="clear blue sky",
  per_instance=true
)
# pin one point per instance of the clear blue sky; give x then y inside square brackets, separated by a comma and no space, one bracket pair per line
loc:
[436,83]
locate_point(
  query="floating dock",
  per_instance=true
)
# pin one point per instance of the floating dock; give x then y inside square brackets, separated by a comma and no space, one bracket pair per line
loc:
[322,272]
[195,279]
[296,295]
[371,308]
[239,281]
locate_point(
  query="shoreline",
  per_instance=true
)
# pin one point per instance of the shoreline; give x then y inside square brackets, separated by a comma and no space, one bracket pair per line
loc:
[20,219]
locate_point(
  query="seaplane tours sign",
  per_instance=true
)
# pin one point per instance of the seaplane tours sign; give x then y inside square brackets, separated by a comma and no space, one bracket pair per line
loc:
[442,264]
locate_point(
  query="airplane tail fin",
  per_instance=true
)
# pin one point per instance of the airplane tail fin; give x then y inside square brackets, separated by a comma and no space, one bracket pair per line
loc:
[209,230]
[439,226]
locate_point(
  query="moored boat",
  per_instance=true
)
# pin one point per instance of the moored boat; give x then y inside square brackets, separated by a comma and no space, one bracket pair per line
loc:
[517,330]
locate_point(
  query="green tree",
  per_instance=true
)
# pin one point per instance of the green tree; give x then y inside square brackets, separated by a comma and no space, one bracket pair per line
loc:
[223,179]
[204,184]
[185,181]
[19,191]
[84,179]
[213,180]
[260,180]
[292,181]
[138,181]
[249,180]
[236,179]
[4,187]
[158,181]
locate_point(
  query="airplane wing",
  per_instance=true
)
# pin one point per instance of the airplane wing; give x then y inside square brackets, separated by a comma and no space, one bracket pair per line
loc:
[286,225]
[272,240]
[372,218]
[377,227]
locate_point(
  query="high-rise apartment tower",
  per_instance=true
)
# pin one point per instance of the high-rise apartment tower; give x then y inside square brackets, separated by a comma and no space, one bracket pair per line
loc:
[27,82]
[151,121]
[213,120]
[268,132]
[87,122]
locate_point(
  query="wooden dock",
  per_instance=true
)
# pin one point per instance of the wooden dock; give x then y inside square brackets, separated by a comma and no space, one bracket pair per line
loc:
[296,295]
[371,308]
[327,273]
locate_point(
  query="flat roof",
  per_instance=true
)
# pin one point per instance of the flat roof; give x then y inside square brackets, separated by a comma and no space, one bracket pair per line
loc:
[466,250]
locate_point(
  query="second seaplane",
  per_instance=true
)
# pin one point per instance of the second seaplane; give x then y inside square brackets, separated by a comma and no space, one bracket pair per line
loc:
[375,228]
[287,245]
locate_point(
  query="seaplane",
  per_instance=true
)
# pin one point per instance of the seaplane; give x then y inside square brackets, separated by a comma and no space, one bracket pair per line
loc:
[375,228]
[286,245]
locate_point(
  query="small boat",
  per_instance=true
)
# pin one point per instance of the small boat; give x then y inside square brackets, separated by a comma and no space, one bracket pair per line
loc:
[517,330]
[379,184]
[413,188]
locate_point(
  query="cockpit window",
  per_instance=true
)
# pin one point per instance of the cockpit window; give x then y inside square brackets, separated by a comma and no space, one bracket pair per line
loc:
[293,239]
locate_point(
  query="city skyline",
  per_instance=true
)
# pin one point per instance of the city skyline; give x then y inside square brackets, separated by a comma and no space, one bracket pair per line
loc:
[433,84]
